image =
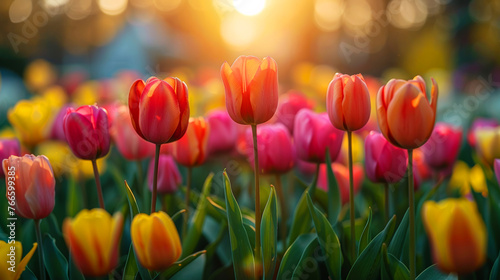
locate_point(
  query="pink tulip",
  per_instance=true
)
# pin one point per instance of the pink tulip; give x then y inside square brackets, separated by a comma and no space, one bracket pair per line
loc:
[223,132]
[497,169]
[87,132]
[477,124]
[441,150]
[342,176]
[384,162]
[57,132]
[8,147]
[313,133]
[169,177]
[289,105]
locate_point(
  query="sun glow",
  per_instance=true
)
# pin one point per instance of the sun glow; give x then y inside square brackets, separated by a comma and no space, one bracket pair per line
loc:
[249,7]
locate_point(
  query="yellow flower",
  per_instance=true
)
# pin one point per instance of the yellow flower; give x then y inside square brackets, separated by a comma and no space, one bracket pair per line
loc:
[156,240]
[11,267]
[465,178]
[457,234]
[93,238]
[39,74]
[86,94]
[55,96]
[488,144]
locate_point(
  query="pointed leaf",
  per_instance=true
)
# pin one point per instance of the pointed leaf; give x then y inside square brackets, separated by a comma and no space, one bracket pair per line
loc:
[366,236]
[303,269]
[392,268]
[301,219]
[179,265]
[134,209]
[55,262]
[397,245]
[334,203]
[130,270]
[269,234]
[495,271]
[433,273]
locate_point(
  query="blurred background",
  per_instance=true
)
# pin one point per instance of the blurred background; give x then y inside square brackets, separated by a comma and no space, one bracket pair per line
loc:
[92,50]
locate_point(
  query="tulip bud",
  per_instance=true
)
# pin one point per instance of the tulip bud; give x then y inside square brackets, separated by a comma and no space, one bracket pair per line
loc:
[93,238]
[8,147]
[191,149]
[169,177]
[312,134]
[289,105]
[30,185]
[156,241]
[223,132]
[479,124]
[384,162]
[87,132]
[488,144]
[342,176]
[441,150]
[457,234]
[405,116]
[348,102]
[159,109]
[251,87]
[13,258]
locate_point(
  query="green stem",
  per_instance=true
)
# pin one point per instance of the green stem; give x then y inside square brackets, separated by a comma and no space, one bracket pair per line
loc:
[411,201]
[41,261]
[98,184]
[155,179]
[283,206]
[257,204]
[316,175]
[186,214]
[387,201]
[351,200]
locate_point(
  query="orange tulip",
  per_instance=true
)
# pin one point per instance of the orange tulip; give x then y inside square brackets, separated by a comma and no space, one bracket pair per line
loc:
[348,102]
[405,116]
[251,87]
[191,149]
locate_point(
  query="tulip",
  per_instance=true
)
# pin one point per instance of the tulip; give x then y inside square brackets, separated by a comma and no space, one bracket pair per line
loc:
[57,132]
[170,177]
[465,178]
[441,151]
[156,241]
[479,124]
[457,234]
[8,147]
[488,144]
[342,176]
[312,134]
[159,109]
[93,238]
[497,169]
[129,144]
[19,262]
[289,105]
[384,162]
[251,87]
[223,132]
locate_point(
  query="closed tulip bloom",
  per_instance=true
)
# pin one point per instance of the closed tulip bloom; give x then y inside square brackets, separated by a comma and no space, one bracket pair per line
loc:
[276,151]
[342,176]
[289,105]
[479,124]
[159,109]
[312,134]
[457,234]
[130,145]
[191,149]
[223,132]
[156,240]
[488,144]
[13,258]
[348,102]
[93,238]
[251,87]
[384,162]
[169,177]
[8,147]
[57,132]
[405,116]
[441,150]
[30,185]
[87,132]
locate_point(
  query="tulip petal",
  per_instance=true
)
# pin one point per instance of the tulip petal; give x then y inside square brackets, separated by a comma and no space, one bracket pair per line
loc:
[134,98]
[80,136]
[263,89]
[234,94]
[22,265]
[335,94]
[356,106]
[180,88]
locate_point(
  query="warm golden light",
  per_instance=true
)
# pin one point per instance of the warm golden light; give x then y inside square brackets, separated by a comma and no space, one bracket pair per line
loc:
[112,7]
[238,31]
[249,7]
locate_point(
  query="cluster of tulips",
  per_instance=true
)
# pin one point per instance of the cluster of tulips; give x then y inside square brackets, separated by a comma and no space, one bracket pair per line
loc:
[275,134]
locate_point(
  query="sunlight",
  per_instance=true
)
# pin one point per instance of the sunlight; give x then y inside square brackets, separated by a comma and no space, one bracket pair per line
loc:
[249,7]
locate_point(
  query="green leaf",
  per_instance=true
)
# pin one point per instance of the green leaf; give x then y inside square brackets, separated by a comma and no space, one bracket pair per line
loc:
[366,236]
[495,271]
[242,253]
[53,225]
[130,270]
[301,219]
[134,209]
[367,266]
[328,241]
[397,245]
[178,265]
[392,268]
[196,223]
[334,202]
[269,234]
[178,214]
[303,269]
[495,219]
[55,262]
[433,273]
[292,256]
[27,274]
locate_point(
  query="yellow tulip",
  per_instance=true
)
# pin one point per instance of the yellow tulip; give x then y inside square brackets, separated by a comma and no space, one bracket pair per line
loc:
[11,267]
[93,238]
[488,144]
[465,178]
[156,240]
[457,234]
[39,74]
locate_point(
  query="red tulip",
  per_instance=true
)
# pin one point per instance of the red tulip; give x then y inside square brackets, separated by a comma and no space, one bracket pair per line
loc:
[87,132]
[441,150]
[348,102]
[405,116]
[342,176]
[159,109]
[289,105]
[223,132]
[251,87]
[191,149]
[8,147]
[384,163]
[313,133]
[169,177]
[275,148]
[30,185]
[478,124]
[130,145]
